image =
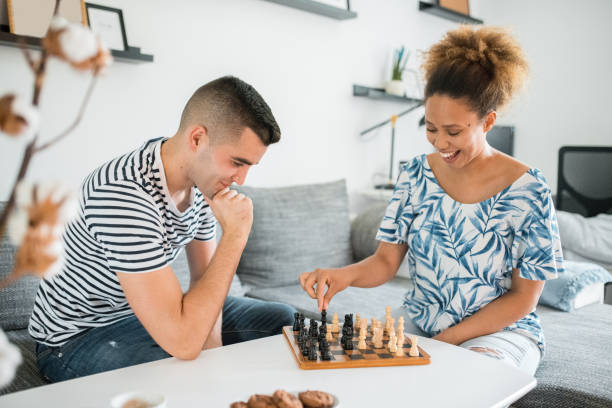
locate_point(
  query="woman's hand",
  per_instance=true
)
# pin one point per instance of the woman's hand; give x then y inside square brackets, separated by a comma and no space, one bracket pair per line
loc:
[336,280]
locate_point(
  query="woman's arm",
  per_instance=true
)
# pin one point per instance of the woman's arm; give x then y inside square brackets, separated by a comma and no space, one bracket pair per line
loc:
[519,301]
[372,271]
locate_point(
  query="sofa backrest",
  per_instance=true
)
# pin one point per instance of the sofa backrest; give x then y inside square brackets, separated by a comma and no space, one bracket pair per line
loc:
[295,229]
[17,300]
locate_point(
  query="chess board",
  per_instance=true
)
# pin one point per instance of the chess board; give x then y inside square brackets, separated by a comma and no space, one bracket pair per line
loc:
[340,358]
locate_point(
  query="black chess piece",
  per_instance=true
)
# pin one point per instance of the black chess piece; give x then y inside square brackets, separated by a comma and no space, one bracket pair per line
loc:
[302,318]
[322,331]
[348,343]
[296,321]
[312,352]
[324,315]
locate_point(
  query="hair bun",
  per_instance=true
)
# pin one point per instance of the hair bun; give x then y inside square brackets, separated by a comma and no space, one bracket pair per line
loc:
[462,51]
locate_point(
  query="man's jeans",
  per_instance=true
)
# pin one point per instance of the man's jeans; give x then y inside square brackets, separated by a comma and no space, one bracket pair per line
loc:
[126,342]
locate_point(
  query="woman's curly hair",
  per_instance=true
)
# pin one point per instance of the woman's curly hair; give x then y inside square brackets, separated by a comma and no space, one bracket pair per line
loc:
[486,66]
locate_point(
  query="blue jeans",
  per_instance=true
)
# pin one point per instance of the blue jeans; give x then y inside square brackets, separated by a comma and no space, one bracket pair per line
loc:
[127,342]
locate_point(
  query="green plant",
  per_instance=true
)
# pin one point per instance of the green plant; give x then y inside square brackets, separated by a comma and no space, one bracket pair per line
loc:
[400,58]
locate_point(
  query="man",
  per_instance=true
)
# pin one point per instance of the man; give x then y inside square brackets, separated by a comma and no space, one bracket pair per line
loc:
[117,301]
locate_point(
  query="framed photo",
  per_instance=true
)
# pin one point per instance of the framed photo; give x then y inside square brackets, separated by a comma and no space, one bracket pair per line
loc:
[107,22]
[32,17]
[460,6]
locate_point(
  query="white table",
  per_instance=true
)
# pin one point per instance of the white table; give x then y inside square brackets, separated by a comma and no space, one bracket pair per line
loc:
[456,377]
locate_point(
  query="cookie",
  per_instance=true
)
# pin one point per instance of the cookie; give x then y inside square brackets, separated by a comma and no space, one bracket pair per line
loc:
[239,404]
[261,401]
[316,399]
[284,399]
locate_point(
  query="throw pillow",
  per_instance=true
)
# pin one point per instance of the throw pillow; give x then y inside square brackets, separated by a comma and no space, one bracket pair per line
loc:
[295,229]
[580,284]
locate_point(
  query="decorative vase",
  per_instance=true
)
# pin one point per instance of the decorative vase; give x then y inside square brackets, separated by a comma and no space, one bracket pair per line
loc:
[395,87]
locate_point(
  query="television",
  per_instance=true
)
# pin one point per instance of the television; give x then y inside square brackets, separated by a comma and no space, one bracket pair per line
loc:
[502,139]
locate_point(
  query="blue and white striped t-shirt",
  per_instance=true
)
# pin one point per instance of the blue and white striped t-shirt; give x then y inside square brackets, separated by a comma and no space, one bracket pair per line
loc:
[127,222]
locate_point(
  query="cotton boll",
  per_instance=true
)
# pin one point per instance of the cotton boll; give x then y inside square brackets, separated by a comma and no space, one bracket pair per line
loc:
[24,109]
[10,359]
[58,23]
[78,43]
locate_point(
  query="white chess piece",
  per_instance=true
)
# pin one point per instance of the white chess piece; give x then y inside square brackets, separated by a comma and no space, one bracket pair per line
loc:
[335,327]
[414,349]
[329,336]
[399,352]
[362,336]
[377,339]
[393,343]
[357,322]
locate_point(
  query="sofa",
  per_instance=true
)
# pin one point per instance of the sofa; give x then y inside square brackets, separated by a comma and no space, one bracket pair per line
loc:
[300,228]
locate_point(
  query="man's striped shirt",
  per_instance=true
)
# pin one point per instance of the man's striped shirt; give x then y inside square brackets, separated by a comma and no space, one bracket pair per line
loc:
[127,222]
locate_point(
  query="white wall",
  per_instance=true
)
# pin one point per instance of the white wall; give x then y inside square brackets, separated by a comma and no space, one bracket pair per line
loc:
[567,100]
[304,65]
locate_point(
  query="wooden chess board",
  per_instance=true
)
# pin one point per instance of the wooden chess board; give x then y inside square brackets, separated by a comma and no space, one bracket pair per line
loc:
[340,358]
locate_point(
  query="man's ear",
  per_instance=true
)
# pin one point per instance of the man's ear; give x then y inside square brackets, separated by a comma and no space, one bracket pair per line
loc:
[489,121]
[198,138]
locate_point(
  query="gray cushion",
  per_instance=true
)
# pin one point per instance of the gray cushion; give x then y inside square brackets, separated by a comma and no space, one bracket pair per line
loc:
[295,229]
[17,300]
[368,303]
[27,374]
[576,369]
[180,266]
[364,228]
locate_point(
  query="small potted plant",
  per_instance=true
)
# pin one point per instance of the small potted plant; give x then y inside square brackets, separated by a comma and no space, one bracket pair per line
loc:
[396,86]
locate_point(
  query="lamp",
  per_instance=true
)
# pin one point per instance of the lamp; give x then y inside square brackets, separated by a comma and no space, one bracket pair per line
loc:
[393,120]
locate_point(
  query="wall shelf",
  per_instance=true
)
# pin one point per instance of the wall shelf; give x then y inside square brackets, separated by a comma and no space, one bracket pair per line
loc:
[379,93]
[449,14]
[132,55]
[318,8]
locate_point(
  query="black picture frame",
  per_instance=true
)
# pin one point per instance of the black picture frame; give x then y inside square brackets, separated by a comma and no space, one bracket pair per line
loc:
[118,12]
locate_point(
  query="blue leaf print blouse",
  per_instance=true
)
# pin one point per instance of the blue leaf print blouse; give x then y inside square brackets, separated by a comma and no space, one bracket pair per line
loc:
[461,256]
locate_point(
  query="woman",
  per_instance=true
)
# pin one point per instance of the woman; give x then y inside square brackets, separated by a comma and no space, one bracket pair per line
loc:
[478,227]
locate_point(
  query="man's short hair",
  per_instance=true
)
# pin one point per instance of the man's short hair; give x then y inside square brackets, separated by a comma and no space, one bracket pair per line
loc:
[226,106]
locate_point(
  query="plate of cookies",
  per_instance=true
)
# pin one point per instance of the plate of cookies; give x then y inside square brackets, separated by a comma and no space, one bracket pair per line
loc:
[286,399]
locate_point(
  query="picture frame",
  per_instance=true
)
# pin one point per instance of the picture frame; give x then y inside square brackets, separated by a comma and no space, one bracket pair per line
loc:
[108,24]
[32,17]
[460,6]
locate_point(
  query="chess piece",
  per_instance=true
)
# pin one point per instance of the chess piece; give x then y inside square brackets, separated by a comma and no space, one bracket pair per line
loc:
[335,325]
[312,351]
[392,344]
[399,352]
[414,349]
[400,339]
[357,321]
[296,321]
[329,336]
[324,316]
[377,338]
[362,337]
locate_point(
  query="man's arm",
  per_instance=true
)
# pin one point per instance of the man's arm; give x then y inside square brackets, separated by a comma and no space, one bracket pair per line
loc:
[199,255]
[179,323]
[512,306]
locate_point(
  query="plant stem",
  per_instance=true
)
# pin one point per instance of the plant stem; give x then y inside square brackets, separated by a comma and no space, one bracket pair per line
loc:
[76,121]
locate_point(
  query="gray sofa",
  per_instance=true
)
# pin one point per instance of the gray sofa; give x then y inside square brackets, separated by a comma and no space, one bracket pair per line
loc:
[299,228]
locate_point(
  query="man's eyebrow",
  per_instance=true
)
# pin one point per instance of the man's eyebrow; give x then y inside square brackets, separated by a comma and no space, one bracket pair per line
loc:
[243,161]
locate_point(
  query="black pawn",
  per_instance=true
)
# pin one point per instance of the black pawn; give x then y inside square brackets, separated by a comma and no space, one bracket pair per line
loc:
[322,331]
[296,321]
[324,315]
[348,343]
[312,352]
